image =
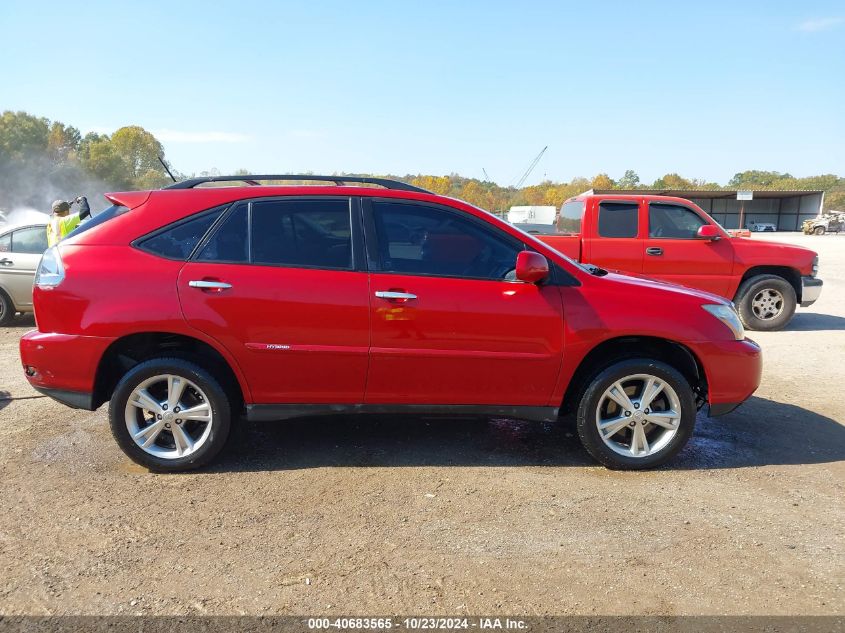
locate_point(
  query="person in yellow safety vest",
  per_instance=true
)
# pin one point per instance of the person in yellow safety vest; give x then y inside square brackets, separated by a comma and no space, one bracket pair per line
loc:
[63,221]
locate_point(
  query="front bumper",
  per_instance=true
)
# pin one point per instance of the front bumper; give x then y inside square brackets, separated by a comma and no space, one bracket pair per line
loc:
[733,370]
[811,288]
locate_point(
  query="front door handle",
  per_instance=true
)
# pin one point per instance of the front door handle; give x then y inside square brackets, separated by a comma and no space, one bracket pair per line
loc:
[210,285]
[653,250]
[6,262]
[391,294]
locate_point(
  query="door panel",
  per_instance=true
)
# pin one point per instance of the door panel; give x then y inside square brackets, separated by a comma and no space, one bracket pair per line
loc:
[614,241]
[451,329]
[17,272]
[286,301]
[464,341]
[672,253]
[299,335]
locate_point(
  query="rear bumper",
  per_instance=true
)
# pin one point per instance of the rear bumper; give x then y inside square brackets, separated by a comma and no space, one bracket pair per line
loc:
[733,370]
[63,366]
[73,399]
[811,288]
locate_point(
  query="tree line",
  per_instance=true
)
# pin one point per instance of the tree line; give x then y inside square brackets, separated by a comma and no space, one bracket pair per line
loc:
[43,160]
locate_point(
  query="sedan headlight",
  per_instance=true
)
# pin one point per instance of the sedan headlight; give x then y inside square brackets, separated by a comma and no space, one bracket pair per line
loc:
[727,315]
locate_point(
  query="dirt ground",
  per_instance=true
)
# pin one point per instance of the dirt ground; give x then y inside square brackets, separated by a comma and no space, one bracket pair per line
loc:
[398,516]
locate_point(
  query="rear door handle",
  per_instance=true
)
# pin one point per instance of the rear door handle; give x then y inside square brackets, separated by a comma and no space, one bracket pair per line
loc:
[6,262]
[653,250]
[213,285]
[390,294]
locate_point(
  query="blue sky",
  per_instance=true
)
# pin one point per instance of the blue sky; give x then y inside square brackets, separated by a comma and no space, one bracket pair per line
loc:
[705,89]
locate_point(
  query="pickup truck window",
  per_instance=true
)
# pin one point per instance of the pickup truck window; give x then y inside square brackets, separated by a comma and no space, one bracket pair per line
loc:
[618,219]
[672,221]
[569,220]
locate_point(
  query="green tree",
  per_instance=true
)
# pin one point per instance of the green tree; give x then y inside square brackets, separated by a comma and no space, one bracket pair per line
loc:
[22,136]
[629,180]
[756,178]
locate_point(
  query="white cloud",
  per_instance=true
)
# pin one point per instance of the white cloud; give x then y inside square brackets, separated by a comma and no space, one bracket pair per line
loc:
[176,136]
[820,24]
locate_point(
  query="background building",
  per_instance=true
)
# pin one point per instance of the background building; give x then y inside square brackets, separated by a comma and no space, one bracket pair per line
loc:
[786,209]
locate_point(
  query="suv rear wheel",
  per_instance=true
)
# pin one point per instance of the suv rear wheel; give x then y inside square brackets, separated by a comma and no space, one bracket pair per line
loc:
[766,302]
[636,414]
[169,415]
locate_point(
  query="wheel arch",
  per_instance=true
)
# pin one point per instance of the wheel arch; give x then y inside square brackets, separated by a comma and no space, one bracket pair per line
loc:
[621,348]
[792,275]
[127,351]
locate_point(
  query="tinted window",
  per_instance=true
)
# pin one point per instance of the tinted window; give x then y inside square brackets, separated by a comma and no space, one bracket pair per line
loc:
[673,221]
[98,218]
[229,242]
[306,233]
[618,219]
[423,240]
[6,243]
[178,241]
[569,220]
[32,240]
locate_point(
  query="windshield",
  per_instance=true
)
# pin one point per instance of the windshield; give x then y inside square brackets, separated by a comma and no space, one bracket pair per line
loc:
[98,218]
[569,220]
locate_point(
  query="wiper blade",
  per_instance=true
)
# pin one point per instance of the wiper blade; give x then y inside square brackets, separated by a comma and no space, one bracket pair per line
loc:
[595,270]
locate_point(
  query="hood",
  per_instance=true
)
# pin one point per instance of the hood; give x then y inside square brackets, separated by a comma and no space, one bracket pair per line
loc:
[757,252]
[664,286]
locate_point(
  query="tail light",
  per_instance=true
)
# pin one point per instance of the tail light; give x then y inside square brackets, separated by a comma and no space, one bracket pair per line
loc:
[50,271]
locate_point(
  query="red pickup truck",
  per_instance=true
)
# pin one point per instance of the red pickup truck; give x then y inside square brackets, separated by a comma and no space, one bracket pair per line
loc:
[672,239]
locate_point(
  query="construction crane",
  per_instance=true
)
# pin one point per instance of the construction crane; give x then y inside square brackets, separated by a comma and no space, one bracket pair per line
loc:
[531,167]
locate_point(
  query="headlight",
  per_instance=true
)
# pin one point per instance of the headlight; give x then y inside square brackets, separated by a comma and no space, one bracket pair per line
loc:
[728,316]
[50,271]
[815,266]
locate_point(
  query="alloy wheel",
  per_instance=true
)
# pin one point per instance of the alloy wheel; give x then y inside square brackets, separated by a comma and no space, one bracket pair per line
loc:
[638,415]
[168,416]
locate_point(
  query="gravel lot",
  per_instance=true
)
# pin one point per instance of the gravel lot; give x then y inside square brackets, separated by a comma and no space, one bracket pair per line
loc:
[396,516]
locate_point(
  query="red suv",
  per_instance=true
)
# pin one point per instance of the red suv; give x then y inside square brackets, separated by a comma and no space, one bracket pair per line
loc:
[187,307]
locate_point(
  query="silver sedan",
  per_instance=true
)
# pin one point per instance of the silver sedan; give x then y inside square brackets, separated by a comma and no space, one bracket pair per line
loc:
[20,251]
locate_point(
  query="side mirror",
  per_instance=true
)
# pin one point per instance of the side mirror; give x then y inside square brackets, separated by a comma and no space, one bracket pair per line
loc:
[708,232]
[531,267]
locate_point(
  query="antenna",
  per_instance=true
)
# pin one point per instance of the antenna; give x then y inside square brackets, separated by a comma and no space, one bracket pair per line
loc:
[531,167]
[166,168]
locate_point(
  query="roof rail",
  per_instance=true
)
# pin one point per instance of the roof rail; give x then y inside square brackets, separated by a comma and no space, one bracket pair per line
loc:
[253,180]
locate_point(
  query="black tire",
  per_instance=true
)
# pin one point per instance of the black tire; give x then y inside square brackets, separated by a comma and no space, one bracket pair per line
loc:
[755,287]
[7,309]
[819,230]
[215,395]
[591,400]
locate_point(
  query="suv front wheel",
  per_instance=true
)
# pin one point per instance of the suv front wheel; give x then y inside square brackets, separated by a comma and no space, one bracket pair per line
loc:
[169,415]
[636,414]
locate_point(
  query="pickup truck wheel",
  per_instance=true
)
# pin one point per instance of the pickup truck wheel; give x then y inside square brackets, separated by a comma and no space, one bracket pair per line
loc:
[766,302]
[636,414]
[819,230]
[170,415]
[7,310]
